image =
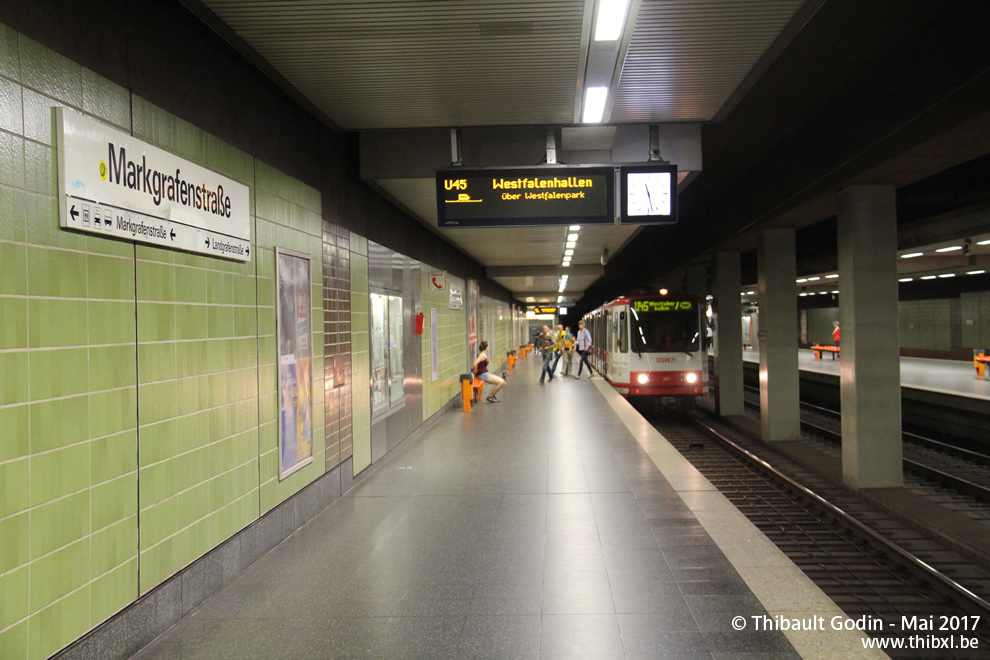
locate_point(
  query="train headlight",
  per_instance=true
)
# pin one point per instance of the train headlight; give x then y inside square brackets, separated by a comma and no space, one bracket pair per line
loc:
[643,379]
[691,378]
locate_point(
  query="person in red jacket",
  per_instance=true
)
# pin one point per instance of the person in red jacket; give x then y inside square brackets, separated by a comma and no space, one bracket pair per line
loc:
[835,336]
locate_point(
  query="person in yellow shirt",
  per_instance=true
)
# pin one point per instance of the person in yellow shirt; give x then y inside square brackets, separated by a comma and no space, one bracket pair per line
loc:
[567,348]
[558,340]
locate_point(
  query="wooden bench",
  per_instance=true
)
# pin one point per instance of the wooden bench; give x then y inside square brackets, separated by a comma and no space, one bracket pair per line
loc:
[819,349]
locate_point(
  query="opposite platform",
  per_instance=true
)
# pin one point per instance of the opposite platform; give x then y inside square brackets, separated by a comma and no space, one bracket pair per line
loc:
[537,527]
[953,377]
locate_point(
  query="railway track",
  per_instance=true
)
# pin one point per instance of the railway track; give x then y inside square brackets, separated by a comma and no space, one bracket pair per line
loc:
[962,470]
[817,524]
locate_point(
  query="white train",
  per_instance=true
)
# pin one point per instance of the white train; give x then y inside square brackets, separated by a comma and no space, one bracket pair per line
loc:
[652,346]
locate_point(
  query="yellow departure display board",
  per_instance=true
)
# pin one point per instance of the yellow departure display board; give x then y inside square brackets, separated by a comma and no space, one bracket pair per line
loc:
[525,197]
[544,310]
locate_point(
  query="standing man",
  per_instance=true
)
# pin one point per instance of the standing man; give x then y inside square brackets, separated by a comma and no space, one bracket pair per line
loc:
[835,336]
[545,343]
[583,348]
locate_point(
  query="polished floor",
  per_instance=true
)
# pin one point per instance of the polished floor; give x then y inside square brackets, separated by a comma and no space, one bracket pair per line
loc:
[539,527]
[944,376]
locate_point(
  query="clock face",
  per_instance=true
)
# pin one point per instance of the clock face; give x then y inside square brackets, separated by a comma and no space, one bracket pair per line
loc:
[649,193]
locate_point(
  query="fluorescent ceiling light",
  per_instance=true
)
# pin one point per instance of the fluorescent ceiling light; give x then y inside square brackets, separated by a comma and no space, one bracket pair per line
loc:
[560,299]
[611,18]
[928,277]
[570,244]
[750,293]
[945,275]
[565,264]
[912,255]
[802,294]
[975,272]
[906,279]
[835,292]
[568,253]
[814,279]
[572,237]
[802,280]
[574,228]
[986,242]
[594,104]
[949,249]
[831,277]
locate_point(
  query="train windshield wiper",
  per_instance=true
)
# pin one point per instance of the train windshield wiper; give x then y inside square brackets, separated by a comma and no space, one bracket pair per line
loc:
[642,338]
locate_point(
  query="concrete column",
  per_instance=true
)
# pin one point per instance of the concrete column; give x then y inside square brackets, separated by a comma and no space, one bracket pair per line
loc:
[728,334]
[779,379]
[871,368]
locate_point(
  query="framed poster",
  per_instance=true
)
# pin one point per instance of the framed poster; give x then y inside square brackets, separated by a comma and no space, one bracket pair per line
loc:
[295,361]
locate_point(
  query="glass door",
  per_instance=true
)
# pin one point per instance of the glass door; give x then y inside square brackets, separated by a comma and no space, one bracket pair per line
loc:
[387,390]
[379,354]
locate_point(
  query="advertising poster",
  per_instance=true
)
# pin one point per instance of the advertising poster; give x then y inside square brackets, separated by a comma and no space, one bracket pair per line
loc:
[472,319]
[295,361]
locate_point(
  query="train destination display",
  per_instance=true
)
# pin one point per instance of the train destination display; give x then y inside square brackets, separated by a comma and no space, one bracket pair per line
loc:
[520,197]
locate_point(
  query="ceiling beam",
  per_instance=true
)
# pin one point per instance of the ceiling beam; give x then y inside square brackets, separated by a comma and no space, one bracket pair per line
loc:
[592,270]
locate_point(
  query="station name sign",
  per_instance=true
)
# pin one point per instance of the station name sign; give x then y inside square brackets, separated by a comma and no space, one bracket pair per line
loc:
[114,185]
[525,197]
[544,310]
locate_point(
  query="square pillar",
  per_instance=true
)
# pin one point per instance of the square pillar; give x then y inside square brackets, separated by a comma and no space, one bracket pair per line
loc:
[727,315]
[780,414]
[870,385]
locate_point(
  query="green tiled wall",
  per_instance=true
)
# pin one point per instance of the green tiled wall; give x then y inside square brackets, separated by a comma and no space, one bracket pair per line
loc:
[820,324]
[360,354]
[925,324]
[68,390]
[975,312]
[288,216]
[451,345]
[118,360]
[197,378]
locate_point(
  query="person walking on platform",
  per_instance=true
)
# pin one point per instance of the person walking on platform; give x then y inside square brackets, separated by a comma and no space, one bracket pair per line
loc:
[558,340]
[567,347]
[480,370]
[835,337]
[545,343]
[583,349]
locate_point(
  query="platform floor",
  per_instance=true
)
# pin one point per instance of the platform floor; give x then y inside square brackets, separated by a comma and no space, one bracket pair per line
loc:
[535,528]
[943,376]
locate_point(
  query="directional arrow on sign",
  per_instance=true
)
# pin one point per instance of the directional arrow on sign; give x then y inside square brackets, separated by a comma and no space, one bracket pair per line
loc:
[172,234]
[207,241]
[73,212]
[247,252]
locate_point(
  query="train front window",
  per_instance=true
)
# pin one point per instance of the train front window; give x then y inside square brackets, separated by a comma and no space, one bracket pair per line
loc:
[655,330]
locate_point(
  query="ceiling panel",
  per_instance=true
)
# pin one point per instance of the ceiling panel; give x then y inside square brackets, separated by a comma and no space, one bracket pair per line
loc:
[686,57]
[395,64]
[418,63]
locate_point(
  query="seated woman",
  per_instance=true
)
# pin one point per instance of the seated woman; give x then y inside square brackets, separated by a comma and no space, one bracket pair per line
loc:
[480,370]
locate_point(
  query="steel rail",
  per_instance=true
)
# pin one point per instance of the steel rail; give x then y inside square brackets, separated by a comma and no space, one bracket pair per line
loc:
[919,566]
